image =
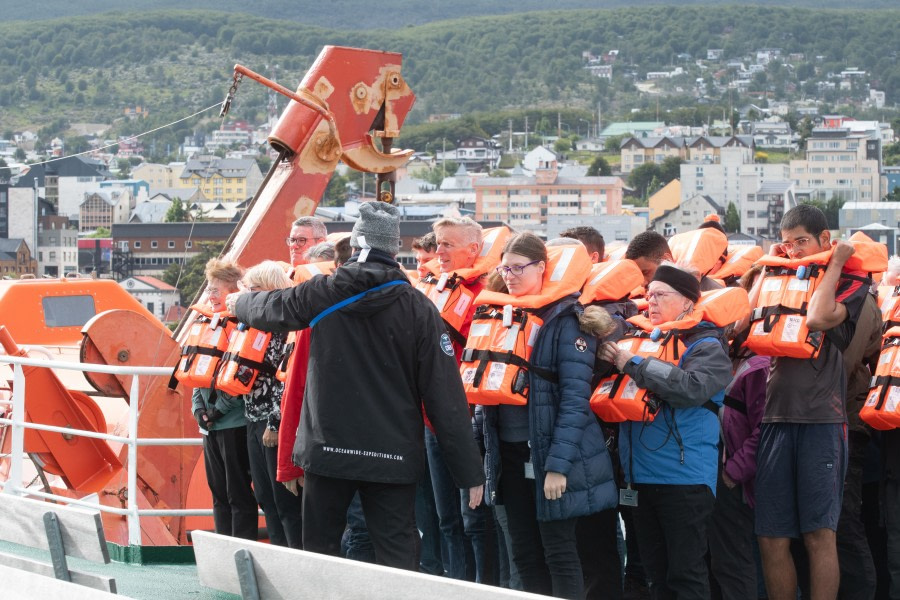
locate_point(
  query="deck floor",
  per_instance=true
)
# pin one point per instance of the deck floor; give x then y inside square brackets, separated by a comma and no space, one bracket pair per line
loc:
[143,582]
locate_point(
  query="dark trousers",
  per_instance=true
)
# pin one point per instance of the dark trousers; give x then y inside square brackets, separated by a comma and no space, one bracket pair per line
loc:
[891,512]
[545,552]
[355,542]
[228,475]
[858,578]
[389,511]
[731,541]
[598,551]
[671,523]
[427,522]
[283,510]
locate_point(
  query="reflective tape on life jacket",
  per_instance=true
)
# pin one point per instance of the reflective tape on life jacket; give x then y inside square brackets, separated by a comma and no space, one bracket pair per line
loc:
[778,323]
[882,407]
[610,281]
[244,360]
[739,261]
[889,304]
[285,363]
[494,365]
[205,344]
[701,248]
[453,299]
[495,362]
[618,397]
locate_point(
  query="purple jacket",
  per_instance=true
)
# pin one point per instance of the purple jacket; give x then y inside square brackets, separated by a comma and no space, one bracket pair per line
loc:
[741,429]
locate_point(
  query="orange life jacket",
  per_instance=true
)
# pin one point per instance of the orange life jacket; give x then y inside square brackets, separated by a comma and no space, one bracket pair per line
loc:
[618,398]
[448,291]
[611,280]
[778,326]
[205,344]
[882,407]
[301,274]
[889,303]
[739,261]
[701,248]
[494,365]
[244,361]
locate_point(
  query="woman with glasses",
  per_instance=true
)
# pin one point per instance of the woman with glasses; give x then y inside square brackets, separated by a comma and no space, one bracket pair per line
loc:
[224,428]
[262,407]
[546,461]
[670,462]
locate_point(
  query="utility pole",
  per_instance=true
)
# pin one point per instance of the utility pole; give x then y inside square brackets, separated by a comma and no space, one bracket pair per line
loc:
[510,136]
[558,125]
[443,157]
[526,134]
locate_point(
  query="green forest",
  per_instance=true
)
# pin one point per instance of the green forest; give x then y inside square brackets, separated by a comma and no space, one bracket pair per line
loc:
[89,69]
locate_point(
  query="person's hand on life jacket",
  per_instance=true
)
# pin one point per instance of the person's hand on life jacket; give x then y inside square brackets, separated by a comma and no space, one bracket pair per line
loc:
[231,299]
[842,251]
[476,495]
[777,250]
[554,485]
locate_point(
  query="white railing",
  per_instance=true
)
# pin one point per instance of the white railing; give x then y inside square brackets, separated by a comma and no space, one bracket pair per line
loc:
[13,485]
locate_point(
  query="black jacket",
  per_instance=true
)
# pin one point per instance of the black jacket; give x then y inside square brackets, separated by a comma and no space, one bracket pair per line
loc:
[372,365]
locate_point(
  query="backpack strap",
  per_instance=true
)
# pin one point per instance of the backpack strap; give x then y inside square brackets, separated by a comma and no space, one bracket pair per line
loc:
[347,301]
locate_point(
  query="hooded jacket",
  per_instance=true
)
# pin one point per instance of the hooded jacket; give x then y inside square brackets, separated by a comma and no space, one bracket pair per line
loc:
[373,363]
[563,433]
[679,447]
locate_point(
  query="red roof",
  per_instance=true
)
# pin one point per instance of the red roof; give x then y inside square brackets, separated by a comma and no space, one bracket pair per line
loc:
[157,283]
[174,313]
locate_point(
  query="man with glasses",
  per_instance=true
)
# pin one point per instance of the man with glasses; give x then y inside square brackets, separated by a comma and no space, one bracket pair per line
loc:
[306,232]
[802,455]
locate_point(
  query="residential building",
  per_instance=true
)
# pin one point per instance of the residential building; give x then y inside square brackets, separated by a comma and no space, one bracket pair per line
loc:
[840,163]
[667,198]
[156,295]
[687,216]
[221,179]
[103,207]
[613,228]
[140,189]
[636,151]
[16,259]
[239,133]
[156,175]
[57,247]
[148,248]
[762,211]
[526,201]
[776,135]
[633,128]
[4,210]
[476,153]
[65,181]
[734,178]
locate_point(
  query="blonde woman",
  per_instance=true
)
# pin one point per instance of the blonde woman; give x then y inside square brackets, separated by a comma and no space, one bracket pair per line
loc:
[262,407]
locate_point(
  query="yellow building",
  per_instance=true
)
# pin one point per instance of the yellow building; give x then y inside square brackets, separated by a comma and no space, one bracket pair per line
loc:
[665,199]
[221,179]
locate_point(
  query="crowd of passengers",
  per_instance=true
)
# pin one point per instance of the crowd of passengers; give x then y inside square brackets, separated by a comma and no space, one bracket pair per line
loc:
[556,418]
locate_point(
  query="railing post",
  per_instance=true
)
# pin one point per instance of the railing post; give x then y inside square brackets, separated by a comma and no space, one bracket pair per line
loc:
[17,450]
[134,519]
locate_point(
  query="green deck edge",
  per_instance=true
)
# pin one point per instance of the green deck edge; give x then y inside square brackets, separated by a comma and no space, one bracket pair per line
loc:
[144,555]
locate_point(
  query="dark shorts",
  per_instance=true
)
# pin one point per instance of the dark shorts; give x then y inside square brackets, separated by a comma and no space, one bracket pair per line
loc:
[799,478]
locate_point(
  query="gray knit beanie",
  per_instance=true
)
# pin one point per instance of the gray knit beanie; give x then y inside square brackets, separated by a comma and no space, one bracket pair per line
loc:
[377,227]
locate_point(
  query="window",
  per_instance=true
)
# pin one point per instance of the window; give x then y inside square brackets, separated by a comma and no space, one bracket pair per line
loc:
[171,244]
[189,244]
[150,308]
[154,244]
[137,244]
[68,311]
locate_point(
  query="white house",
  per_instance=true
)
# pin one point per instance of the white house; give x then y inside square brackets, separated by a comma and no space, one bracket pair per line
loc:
[156,295]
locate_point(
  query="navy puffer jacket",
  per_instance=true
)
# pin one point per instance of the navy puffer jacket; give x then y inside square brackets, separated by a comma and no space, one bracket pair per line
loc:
[564,435]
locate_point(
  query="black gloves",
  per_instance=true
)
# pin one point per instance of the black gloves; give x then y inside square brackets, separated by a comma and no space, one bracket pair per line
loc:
[203,419]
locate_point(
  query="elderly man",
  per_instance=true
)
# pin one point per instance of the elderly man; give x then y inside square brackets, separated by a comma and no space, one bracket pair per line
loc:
[306,232]
[458,243]
[378,352]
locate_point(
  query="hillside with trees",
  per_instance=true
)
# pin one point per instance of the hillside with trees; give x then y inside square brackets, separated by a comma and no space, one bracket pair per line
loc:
[88,69]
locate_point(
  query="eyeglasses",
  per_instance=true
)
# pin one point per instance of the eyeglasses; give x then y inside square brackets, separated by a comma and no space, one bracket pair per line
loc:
[214,292]
[655,296]
[801,241]
[300,241]
[516,270]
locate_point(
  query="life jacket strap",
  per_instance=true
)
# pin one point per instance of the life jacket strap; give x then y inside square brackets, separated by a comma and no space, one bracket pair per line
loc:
[264,368]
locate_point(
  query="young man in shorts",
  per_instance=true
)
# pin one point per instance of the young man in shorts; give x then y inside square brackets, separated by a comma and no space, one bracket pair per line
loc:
[802,456]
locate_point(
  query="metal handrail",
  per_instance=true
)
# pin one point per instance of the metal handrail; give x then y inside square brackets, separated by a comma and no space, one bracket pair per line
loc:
[13,485]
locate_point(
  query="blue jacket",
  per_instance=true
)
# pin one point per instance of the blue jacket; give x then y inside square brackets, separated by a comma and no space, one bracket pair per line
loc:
[564,435]
[680,446]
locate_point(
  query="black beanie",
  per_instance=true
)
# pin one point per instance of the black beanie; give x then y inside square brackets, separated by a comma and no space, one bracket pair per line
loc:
[681,281]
